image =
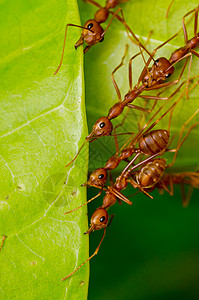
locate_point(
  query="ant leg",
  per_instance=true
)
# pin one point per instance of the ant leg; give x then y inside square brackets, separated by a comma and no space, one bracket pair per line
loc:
[195,53]
[162,98]
[3,241]
[167,13]
[127,172]
[76,155]
[143,191]
[62,56]
[195,24]
[130,70]
[120,195]
[132,58]
[138,107]
[135,185]
[84,203]
[86,49]
[94,3]
[171,192]
[112,74]
[180,140]
[186,198]
[95,253]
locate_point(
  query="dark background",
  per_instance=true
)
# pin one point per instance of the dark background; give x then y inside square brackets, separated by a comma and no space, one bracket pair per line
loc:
[151,250]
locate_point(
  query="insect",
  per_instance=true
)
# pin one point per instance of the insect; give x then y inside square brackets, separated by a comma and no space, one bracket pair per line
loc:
[150,174]
[146,177]
[150,143]
[92,31]
[151,78]
[100,219]
[99,176]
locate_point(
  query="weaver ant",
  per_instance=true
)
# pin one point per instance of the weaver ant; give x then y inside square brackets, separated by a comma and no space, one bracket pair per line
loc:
[150,143]
[151,78]
[92,31]
[151,171]
[150,174]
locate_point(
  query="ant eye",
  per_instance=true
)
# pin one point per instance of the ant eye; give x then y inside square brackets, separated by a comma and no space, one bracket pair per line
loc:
[168,75]
[90,26]
[101,40]
[102,219]
[101,176]
[157,61]
[102,125]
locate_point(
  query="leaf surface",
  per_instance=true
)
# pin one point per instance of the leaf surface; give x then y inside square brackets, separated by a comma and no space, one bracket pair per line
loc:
[42,126]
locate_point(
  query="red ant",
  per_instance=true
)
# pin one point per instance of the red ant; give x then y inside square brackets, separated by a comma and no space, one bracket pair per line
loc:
[151,78]
[150,143]
[152,171]
[149,174]
[99,177]
[92,31]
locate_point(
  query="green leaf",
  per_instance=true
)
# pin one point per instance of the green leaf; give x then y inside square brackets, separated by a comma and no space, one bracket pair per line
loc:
[42,126]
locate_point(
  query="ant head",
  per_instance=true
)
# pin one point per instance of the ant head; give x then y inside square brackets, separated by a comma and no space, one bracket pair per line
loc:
[97,177]
[101,15]
[162,67]
[99,220]
[102,126]
[92,33]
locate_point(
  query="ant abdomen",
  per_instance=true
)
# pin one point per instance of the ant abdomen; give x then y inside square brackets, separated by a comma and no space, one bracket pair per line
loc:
[151,173]
[154,141]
